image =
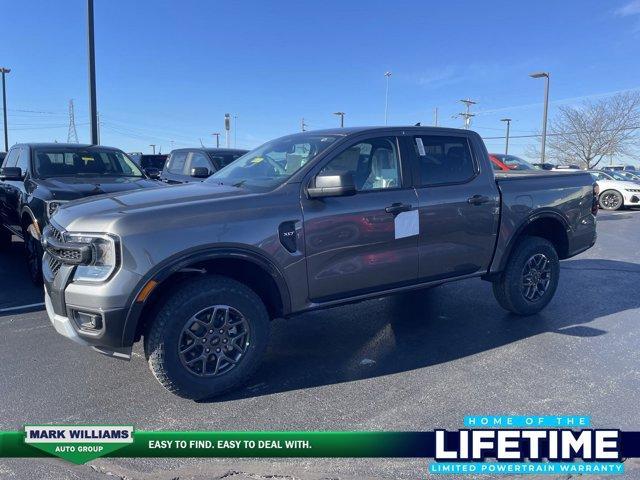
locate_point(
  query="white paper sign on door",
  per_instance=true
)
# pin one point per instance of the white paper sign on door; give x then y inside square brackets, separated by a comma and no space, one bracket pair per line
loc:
[407,224]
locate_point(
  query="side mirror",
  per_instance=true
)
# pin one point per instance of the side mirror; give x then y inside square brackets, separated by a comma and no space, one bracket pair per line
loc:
[11,173]
[336,184]
[152,172]
[200,172]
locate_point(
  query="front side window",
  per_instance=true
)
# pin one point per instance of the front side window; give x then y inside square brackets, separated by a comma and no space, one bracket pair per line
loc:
[176,163]
[23,160]
[199,160]
[60,162]
[274,162]
[11,158]
[443,159]
[373,163]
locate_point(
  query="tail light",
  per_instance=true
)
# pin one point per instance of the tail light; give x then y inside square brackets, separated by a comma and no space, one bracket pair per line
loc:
[596,194]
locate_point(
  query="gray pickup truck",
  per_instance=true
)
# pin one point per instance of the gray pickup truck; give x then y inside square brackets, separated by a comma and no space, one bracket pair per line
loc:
[304,222]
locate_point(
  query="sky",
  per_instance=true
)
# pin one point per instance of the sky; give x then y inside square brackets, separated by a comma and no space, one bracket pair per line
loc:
[168,70]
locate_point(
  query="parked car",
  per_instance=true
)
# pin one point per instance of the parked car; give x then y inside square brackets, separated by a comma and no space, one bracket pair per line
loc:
[148,162]
[620,167]
[505,163]
[623,175]
[37,178]
[195,164]
[307,221]
[566,167]
[615,194]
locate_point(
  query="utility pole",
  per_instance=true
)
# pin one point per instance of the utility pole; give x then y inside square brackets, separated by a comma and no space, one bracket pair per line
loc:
[227,127]
[341,115]
[303,126]
[386,98]
[435,116]
[72,134]
[153,146]
[467,115]
[93,109]
[235,130]
[4,71]
[546,76]
[217,135]
[506,145]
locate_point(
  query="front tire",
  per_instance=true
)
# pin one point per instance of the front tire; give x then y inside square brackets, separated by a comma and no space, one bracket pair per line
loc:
[33,252]
[5,239]
[530,278]
[207,338]
[611,200]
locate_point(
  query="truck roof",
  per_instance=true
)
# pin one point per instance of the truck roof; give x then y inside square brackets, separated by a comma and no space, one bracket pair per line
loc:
[353,130]
[61,145]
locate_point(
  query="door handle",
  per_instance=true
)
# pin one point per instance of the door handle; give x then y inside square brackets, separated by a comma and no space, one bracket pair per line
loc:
[478,199]
[396,208]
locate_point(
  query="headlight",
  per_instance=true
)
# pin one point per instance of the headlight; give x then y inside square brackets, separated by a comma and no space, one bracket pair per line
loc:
[52,206]
[104,256]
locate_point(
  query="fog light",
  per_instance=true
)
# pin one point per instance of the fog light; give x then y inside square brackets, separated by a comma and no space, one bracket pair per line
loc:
[88,321]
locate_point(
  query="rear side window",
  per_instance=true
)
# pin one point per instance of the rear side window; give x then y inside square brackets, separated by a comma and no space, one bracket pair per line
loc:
[176,164]
[443,159]
[225,159]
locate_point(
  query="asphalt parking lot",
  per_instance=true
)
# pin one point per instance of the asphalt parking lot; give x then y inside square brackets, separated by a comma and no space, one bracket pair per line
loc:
[410,362]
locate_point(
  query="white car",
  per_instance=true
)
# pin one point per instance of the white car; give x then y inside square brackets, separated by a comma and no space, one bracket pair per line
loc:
[615,194]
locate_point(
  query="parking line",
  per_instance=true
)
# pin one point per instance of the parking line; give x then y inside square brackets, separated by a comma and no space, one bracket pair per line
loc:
[21,307]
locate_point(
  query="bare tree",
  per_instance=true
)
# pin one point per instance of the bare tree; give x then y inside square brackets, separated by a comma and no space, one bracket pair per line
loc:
[586,134]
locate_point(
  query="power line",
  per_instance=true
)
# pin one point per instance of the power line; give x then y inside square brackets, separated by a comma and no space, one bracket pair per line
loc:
[565,133]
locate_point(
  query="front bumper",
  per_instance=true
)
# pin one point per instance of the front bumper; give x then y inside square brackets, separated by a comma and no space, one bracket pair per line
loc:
[67,302]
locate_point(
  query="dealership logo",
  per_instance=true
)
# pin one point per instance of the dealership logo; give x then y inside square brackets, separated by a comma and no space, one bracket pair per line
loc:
[78,444]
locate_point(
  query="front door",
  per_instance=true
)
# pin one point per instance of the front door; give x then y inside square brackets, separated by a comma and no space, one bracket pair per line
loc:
[459,207]
[367,241]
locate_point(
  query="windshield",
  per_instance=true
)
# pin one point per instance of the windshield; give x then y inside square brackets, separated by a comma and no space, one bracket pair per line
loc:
[274,162]
[60,162]
[515,163]
[622,176]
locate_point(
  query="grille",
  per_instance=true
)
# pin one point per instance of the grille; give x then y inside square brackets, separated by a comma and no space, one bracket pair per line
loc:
[56,234]
[54,265]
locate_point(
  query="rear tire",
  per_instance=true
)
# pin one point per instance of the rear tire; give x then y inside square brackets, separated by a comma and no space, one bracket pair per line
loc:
[530,278]
[611,200]
[207,338]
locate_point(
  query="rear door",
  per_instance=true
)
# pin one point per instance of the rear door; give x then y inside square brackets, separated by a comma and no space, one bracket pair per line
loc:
[353,243]
[458,204]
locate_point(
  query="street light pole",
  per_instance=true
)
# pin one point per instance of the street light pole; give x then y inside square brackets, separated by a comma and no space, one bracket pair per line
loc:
[546,76]
[93,109]
[4,108]
[154,148]
[386,98]
[235,130]
[341,115]
[506,146]
[217,135]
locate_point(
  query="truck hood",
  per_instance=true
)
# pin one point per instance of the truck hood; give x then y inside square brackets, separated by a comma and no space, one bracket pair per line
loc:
[71,188]
[98,214]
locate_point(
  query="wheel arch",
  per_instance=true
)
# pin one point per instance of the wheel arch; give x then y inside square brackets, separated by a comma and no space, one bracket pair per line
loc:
[246,265]
[547,224]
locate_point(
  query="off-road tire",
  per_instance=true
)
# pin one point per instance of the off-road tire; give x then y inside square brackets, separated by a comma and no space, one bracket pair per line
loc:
[508,288]
[162,336]
[5,239]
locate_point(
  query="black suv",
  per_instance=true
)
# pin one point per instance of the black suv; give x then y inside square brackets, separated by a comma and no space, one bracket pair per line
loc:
[37,178]
[195,164]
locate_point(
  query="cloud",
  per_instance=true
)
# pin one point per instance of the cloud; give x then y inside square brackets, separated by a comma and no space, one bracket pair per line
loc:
[630,9]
